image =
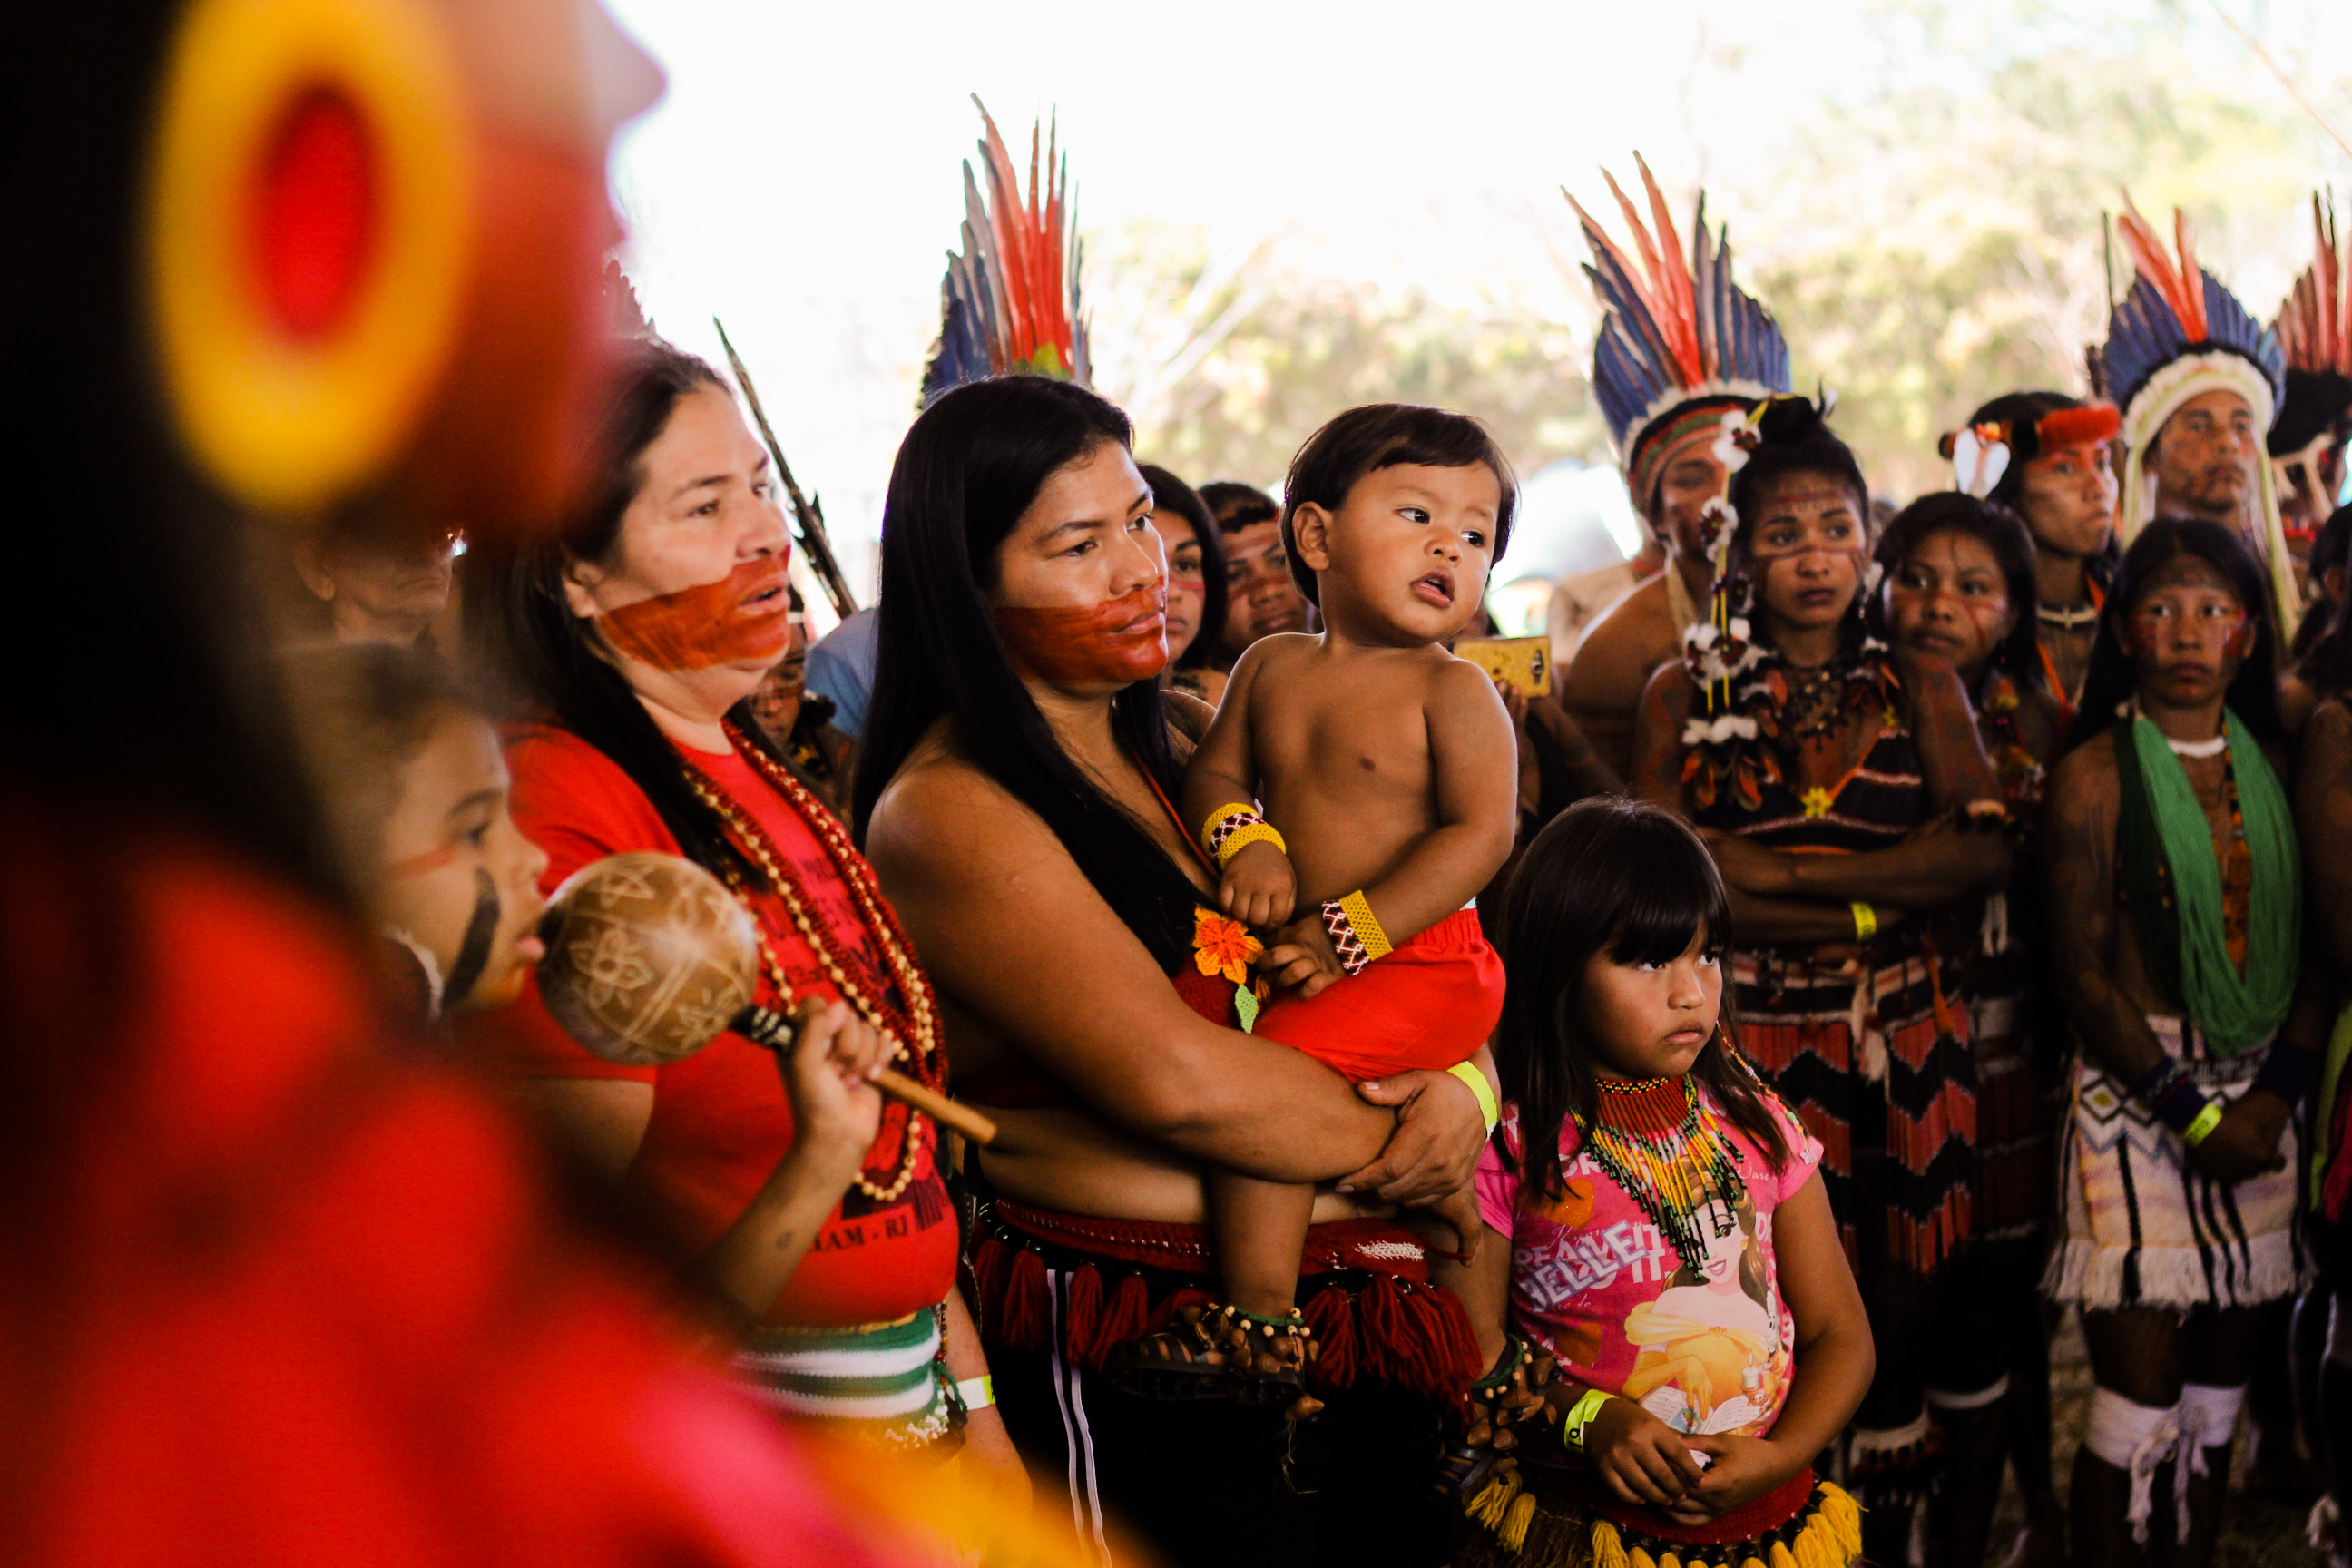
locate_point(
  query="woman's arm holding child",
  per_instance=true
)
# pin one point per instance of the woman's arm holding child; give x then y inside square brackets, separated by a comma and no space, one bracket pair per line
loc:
[1834,1360]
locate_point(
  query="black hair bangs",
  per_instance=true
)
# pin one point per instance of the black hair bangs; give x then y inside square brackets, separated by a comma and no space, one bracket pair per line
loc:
[1675,900]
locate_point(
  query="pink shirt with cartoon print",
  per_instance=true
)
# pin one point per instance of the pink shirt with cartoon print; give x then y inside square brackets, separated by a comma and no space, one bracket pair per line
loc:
[1706,1351]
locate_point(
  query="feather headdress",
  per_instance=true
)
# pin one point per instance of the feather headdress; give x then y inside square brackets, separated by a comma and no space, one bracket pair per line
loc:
[2315,334]
[2178,335]
[1009,304]
[1680,342]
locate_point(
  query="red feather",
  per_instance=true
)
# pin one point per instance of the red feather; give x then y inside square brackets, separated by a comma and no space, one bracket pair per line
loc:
[2181,286]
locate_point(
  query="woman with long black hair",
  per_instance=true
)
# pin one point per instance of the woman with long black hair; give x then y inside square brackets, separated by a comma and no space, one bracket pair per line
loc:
[1960,585]
[1196,583]
[1836,782]
[1012,794]
[2175,907]
[636,638]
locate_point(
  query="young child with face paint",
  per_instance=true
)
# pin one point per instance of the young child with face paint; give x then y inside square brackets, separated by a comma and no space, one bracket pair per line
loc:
[416,791]
[1387,769]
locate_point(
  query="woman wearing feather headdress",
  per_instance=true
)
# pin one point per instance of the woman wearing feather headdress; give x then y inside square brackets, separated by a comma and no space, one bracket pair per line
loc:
[1681,351]
[1835,782]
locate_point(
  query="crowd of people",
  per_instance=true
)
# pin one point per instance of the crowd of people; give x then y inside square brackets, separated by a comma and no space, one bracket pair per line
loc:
[1651,1120]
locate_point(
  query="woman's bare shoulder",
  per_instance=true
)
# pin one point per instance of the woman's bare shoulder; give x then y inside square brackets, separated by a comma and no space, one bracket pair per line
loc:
[1187,716]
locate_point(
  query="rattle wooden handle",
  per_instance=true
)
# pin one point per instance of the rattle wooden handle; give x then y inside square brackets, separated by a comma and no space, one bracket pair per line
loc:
[774,1030]
[938,1107]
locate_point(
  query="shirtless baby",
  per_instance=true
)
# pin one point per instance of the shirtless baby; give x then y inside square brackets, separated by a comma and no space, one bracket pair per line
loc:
[1387,773]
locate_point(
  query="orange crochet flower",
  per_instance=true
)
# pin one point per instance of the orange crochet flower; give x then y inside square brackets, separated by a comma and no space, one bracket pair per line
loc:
[1221,946]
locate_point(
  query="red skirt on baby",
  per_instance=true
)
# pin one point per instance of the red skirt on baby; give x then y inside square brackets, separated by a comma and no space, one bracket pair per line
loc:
[1428,1004]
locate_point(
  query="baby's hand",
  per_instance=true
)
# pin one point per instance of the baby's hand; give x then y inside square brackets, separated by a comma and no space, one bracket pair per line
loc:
[1300,958]
[1259,887]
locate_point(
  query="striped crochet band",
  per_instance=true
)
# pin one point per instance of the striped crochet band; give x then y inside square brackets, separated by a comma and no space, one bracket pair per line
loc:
[884,1375]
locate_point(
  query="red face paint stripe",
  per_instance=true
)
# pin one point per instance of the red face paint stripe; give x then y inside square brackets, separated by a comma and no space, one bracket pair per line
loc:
[710,623]
[420,865]
[1123,639]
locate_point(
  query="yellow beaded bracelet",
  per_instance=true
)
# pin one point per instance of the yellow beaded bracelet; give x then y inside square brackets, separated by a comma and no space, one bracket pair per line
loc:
[1366,925]
[1242,837]
[1865,921]
[1231,811]
[2197,1131]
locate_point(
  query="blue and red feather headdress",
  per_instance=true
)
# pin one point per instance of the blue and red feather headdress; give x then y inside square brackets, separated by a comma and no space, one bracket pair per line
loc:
[1679,340]
[1009,304]
[2178,335]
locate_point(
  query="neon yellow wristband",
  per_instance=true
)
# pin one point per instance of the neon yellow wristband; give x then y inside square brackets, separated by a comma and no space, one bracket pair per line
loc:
[1865,921]
[1242,837]
[1579,1416]
[977,1392]
[1468,1073]
[2197,1131]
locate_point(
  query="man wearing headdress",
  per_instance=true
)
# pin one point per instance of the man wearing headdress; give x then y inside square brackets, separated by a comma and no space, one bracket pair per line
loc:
[2199,383]
[2307,444]
[1679,353]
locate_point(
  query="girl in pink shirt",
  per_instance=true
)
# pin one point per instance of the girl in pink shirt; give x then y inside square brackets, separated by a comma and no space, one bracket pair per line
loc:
[1662,1276]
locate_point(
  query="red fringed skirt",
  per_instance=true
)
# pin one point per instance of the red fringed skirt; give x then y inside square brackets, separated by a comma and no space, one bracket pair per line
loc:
[1363,1285]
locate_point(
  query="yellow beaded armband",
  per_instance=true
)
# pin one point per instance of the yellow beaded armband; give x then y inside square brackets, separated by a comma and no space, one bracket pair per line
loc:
[1242,837]
[1355,931]
[1865,921]
[1232,825]
[2197,1131]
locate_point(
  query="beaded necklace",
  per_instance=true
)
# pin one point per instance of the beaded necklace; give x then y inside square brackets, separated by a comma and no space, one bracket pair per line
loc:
[914,1039]
[1659,1140]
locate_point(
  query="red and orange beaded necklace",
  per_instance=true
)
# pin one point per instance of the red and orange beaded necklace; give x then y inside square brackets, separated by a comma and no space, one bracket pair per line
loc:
[914,1032]
[1659,1139]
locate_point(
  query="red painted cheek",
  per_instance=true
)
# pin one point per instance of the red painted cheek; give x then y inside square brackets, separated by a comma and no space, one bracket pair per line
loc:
[1123,639]
[710,623]
[2239,642]
[422,865]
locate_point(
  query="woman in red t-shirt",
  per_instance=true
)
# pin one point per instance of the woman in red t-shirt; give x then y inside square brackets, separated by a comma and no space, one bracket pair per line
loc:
[638,634]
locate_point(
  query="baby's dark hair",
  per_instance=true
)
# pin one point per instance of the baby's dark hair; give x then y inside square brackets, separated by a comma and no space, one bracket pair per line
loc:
[1630,880]
[361,712]
[1381,436]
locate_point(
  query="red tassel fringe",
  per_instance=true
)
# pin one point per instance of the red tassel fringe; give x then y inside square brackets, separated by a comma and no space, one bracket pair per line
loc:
[1026,1322]
[1336,1360]
[1082,1316]
[1126,1317]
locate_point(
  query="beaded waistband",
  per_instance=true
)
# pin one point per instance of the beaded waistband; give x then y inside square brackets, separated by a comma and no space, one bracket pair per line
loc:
[1374,1245]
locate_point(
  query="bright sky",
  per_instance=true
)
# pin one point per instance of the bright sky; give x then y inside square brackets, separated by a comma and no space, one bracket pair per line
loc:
[803,178]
